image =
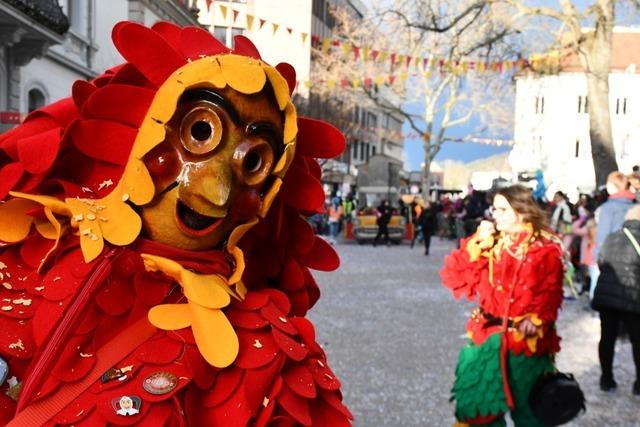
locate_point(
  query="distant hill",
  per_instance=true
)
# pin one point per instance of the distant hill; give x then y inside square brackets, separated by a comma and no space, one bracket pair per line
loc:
[458,174]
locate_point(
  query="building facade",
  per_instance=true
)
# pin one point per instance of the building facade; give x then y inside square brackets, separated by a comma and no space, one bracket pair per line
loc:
[40,61]
[552,125]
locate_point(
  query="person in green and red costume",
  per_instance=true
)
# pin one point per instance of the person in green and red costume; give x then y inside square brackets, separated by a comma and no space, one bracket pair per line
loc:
[154,256]
[515,271]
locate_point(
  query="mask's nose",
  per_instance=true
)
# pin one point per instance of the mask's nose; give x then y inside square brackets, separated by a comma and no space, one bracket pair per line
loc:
[206,186]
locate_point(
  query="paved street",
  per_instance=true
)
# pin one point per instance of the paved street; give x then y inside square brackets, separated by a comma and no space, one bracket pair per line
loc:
[392,335]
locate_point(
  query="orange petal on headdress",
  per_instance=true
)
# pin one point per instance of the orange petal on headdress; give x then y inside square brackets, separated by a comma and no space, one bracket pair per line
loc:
[245,47]
[195,42]
[147,51]
[244,76]
[319,139]
[120,103]
[104,140]
[289,74]
[38,152]
[9,176]
[15,224]
[279,85]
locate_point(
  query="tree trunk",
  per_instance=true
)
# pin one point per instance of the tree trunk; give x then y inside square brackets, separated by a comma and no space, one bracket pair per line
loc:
[597,59]
[428,157]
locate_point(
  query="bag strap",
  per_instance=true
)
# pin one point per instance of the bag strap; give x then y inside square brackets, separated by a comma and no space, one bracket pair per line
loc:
[42,411]
[633,240]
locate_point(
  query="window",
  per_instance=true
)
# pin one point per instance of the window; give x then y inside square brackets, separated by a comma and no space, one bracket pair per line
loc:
[579,104]
[362,150]
[36,99]
[367,152]
[624,106]
[221,34]
[577,148]
[236,32]
[539,104]
[373,150]
[372,120]
[355,149]
[356,114]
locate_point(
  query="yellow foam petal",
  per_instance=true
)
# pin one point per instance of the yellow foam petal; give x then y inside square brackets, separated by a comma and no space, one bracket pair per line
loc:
[150,134]
[237,254]
[285,160]
[243,74]
[279,85]
[290,123]
[270,197]
[202,72]
[170,317]
[120,224]
[214,335]
[240,231]
[91,242]
[205,290]
[57,206]
[15,224]
[58,230]
[137,183]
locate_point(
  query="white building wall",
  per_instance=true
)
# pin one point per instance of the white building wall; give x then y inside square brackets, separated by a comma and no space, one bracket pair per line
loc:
[556,139]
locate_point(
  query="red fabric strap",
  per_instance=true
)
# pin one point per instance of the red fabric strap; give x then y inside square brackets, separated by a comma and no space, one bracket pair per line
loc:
[118,348]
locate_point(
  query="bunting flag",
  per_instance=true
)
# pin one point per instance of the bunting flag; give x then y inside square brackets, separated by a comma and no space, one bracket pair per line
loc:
[223,10]
[208,3]
[549,61]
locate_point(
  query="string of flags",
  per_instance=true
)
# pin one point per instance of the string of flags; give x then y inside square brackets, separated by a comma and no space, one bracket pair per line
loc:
[429,63]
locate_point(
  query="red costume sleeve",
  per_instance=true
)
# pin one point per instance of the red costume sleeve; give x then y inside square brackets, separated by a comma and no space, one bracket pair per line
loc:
[460,274]
[547,291]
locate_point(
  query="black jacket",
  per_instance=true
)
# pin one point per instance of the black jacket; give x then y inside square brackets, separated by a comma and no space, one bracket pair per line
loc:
[619,282]
[428,221]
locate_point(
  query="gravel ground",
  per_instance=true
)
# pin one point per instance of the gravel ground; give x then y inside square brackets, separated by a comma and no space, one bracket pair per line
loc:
[392,334]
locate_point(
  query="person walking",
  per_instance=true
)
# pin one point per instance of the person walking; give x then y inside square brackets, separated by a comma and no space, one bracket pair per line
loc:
[515,271]
[335,216]
[617,296]
[384,216]
[428,223]
[610,215]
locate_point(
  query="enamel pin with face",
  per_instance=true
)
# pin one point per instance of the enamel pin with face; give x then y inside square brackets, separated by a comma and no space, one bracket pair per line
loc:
[126,405]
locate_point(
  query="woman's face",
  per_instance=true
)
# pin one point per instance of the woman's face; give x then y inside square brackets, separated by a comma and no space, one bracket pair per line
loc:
[507,219]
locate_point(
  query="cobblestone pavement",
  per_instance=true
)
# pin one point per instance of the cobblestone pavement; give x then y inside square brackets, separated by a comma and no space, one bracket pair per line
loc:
[392,334]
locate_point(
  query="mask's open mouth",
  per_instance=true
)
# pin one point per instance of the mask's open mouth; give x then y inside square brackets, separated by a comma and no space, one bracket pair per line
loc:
[193,223]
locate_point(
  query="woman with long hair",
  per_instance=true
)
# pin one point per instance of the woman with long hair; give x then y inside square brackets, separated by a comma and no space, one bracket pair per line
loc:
[514,270]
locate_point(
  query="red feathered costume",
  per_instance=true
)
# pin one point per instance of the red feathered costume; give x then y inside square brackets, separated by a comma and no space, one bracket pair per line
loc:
[76,292]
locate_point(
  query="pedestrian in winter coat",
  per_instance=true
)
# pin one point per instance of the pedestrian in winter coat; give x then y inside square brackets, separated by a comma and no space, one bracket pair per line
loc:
[610,215]
[617,296]
[384,216]
[428,222]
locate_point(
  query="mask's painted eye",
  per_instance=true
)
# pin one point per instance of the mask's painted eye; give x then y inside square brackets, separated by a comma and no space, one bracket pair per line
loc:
[253,161]
[200,130]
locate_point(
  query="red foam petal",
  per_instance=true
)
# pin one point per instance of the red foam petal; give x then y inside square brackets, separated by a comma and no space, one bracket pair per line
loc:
[319,139]
[321,257]
[125,104]
[9,176]
[247,319]
[45,318]
[303,235]
[169,31]
[147,50]
[244,46]
[295,405]
[196,41]
[81,91]
[252,301]
[314,167]
[307,333]
[301,190]
[289,74]
[323,376]
[159,350]
[291,347]
[203,373]
[116,297]
[333,399]
[257,382]
[103,140]
[151,288]
[257,348]
[277,318]
[226,383]
[299,380]
[291,278]
[71,366]
[280,299]
[129,75]
[300,302]
[33,250]
[38,152]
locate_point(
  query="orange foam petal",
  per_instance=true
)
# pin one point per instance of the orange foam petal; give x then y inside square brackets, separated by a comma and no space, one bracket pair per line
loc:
[214,335]
[15,224]
[170,317]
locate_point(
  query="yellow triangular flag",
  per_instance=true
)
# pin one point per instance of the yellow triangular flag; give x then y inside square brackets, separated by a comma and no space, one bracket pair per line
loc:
[403,77]
[223,9]
[304,37]
[331,84]
[356,83]
[383,56]
[346,48]
[307,84]
[380,79]
[275,27]
[365,53]
[326,43]
[249,21]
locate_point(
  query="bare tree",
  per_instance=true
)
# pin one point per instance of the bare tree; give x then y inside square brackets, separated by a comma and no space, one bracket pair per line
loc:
[593,46]
[428,67]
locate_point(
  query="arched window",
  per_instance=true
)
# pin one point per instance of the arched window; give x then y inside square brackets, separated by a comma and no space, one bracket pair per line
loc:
[36,100]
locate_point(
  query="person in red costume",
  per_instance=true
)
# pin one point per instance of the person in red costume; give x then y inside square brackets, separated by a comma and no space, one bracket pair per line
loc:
[154,256]
[514,270]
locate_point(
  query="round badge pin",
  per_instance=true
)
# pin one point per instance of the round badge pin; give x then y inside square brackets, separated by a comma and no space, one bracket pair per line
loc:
[160,383]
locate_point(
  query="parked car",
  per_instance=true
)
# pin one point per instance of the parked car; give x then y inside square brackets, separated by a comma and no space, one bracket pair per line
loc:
[365,228]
